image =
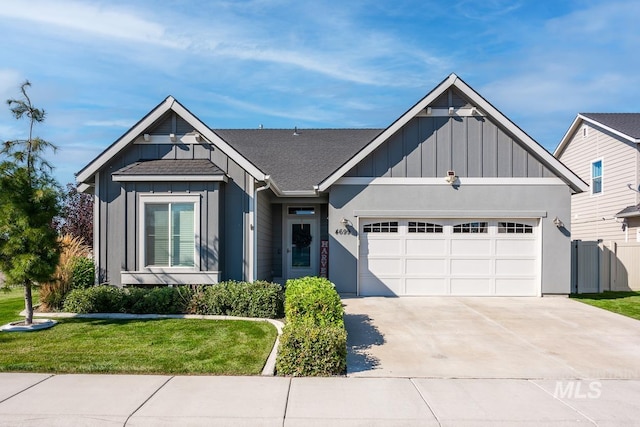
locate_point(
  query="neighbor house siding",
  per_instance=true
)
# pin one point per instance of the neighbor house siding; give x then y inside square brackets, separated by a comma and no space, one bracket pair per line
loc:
[593,216]
[264,236]
[431,146]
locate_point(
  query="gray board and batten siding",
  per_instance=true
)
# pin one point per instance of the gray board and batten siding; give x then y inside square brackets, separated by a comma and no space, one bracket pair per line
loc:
[224,206]
[431,146]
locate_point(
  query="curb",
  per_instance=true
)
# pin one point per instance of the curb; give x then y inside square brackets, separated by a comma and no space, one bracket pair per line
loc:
[269,368]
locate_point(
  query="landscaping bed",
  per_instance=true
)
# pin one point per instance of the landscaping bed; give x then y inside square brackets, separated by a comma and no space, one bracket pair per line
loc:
[158,346]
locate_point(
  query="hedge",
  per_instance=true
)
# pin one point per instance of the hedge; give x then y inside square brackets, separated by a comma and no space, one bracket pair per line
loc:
[313,341]
[257,299]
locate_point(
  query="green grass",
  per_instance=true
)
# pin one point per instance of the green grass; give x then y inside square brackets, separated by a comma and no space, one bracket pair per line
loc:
[166,346]
[625,303]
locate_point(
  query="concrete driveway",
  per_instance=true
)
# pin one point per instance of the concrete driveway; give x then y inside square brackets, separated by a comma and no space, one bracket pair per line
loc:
[449,337]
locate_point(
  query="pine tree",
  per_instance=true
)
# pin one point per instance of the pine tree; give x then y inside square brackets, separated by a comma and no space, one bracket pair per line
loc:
[29,201]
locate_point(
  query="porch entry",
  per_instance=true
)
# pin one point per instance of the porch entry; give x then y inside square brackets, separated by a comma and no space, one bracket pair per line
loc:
[301,241]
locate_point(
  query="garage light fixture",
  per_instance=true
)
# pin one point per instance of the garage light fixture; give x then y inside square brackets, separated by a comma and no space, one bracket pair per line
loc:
[451,177]
[344,222]
[557,222]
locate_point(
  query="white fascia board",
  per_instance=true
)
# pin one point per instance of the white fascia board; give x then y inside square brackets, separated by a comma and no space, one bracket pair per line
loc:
[83,187]
[609,129]
[443,214]
[554,164]
[170,178]
[125,140]
[557,153]
[442,182]
[388,132]
[212,137]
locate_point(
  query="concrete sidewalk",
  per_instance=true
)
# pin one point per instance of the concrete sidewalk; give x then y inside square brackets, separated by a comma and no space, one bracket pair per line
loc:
[119,400]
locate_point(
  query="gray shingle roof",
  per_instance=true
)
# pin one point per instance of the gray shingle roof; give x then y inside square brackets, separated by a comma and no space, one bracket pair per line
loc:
[629,211]
[298,162]
[627,123]
[171,167]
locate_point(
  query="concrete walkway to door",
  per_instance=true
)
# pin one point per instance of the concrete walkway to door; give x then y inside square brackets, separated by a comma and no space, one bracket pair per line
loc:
[490,337]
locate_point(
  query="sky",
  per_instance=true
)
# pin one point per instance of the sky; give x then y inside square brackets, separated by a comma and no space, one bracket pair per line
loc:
[97,67]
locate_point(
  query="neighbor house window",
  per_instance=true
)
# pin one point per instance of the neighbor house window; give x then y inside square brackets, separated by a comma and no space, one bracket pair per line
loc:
[596,177]
[169,232]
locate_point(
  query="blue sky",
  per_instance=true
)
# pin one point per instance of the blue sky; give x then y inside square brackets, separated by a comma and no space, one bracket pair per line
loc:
[97,67]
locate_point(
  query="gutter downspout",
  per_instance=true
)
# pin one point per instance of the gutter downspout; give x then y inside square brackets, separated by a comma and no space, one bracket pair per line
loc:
[254,222]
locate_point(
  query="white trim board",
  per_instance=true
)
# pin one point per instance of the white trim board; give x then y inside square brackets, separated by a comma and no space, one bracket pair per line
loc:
[548,160]
[449,214]
[169,178]
[442,182]
[169,104]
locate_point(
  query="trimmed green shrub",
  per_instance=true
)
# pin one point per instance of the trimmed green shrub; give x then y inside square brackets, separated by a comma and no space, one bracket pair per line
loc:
[162,300]
[257,299]
[97,299]
[314,341]
[313,299]
[82,273]
[311,350]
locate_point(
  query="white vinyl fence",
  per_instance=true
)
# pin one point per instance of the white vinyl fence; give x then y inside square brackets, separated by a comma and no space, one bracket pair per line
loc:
[597,267]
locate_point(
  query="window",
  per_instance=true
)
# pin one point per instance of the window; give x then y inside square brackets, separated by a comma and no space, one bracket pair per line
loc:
[302,211]
[471,227]
[514,228]
[382,227]
[596,177]
[424,227]
[169,230]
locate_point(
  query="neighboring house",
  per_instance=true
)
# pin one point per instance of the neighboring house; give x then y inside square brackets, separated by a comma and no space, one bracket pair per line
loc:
[602,148]
[451,199]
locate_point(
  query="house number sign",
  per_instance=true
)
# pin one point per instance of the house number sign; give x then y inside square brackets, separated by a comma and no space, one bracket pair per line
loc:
[344,231]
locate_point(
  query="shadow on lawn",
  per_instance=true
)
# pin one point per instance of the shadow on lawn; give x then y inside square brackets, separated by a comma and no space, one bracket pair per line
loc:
[362,335]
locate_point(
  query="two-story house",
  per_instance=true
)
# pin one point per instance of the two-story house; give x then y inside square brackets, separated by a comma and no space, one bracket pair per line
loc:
[602,148]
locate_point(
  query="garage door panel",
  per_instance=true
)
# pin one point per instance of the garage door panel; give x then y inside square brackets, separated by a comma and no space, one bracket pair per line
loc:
[425,267]
[515,267]
[506,247]
[371,285]
[427,286]
[416,260]
[471,286]
[471,267]
[516,287]
[388,246]
[383,267]
[470,247]
[414,246]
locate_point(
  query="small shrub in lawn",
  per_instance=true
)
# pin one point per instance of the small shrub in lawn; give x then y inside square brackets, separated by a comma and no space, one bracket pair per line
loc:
[256,299]
[97,299]
[311,350]
[315,299]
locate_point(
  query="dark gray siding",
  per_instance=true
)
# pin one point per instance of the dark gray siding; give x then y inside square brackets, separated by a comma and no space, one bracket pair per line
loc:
[264,236]
[223,216]
[276,239]
[431,146]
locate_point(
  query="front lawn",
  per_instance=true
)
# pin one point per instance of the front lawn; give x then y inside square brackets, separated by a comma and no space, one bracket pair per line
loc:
[625,303]
[166,346]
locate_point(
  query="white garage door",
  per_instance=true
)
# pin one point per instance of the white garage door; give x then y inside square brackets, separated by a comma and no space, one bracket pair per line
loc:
[449,257]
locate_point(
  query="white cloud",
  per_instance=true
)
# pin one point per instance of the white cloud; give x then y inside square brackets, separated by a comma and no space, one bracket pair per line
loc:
[118,123]
[92,19]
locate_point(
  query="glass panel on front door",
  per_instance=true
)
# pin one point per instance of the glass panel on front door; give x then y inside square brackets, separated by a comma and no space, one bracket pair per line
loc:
[301,245]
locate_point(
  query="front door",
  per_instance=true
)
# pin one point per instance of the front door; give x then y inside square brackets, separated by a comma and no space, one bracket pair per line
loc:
[301,246]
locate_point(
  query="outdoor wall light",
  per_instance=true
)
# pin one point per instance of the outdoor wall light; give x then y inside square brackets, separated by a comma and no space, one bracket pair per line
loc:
[344,222]
[451,177]
[557,222]
[451,111]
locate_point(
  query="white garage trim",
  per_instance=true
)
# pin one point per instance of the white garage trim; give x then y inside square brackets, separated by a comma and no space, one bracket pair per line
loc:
[461,256]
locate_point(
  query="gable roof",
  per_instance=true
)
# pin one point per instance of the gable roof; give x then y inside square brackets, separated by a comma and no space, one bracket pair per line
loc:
[298,160]
[169,104]
[625,125]
[564,173]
